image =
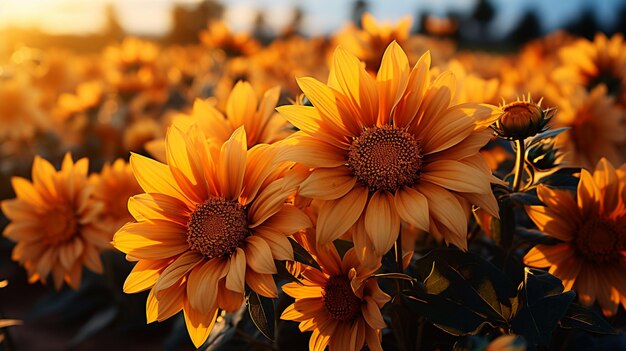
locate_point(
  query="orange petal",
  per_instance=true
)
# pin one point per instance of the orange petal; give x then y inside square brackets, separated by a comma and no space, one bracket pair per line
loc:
[202,284]
[278,242]
[419,79]
[25,191]
[337,216]
[391,80]
[158,206]
[456,176]
[372,314]
[412,207]
[542,256]
[446,209]
[262,284]
[155,177]
[168,303]
[259,256]
[144,275]
[551,223]
[151,240]
[229,300]
[382,222]
[328,183]
[236,277]
[233,164]
[199,323]
[288,220]
[323,98]
[588,195]
[178,269]
[311,152]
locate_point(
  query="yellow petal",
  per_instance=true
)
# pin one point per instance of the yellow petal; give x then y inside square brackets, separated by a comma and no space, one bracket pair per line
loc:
[542,256]
[419,79]
[445,209]
[185,165]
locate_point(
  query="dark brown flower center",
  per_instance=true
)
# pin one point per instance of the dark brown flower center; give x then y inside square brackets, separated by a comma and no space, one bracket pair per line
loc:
[385,158]
[217,227]
[61,225]
[598,241]
[339,299]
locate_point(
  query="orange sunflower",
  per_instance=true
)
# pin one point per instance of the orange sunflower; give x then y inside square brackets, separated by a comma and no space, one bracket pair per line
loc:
[592,227]
[592,63]
[390,148]
[54,222]
[243,108]
[113,186]
[340,303]
[212,220]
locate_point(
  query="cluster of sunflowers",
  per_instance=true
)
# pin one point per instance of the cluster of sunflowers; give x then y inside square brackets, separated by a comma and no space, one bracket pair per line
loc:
[366,186]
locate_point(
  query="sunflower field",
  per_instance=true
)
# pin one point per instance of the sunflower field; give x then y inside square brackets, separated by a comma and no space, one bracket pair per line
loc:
[375,188]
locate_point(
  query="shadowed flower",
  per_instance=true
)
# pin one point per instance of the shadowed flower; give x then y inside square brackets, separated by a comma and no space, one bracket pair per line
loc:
[390,148]
[597,128]
[593,63]
[592,227]
[212,220]
[54,222]
[113,186]
[339,303]
[219,36]
[20,115]
[243,108]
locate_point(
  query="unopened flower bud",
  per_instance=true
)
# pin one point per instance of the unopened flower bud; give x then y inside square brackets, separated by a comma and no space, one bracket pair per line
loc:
[522,119]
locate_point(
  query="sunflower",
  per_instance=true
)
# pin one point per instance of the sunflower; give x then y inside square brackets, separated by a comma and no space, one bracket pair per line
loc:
[54,222]
[340,303]
[211,221]
[591,257]
[591,63]
[369,43]
[113,186]
[597,127]
[219,36]
[389,149]
[243,108]
[20,116]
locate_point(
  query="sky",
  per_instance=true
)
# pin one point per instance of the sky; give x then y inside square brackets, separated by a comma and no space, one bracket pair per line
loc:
[151,17]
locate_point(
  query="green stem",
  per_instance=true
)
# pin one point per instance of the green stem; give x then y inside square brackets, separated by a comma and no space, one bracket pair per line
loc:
[519,164]
[398,251]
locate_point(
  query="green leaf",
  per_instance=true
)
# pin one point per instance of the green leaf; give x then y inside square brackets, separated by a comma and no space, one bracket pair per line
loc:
[548,134]
[301,255]
[543,304]
[95,324]
[263,314]
[398,276]
[579,317]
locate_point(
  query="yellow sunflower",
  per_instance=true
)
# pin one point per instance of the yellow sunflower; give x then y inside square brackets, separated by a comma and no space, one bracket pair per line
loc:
[54,222]
[113,186]
[219,36]
[390,148]
[211,221]
[592,227]
[243,108]
[340,304]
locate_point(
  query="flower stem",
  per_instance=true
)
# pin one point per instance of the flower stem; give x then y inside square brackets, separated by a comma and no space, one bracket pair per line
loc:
[399,265]
[519,164]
